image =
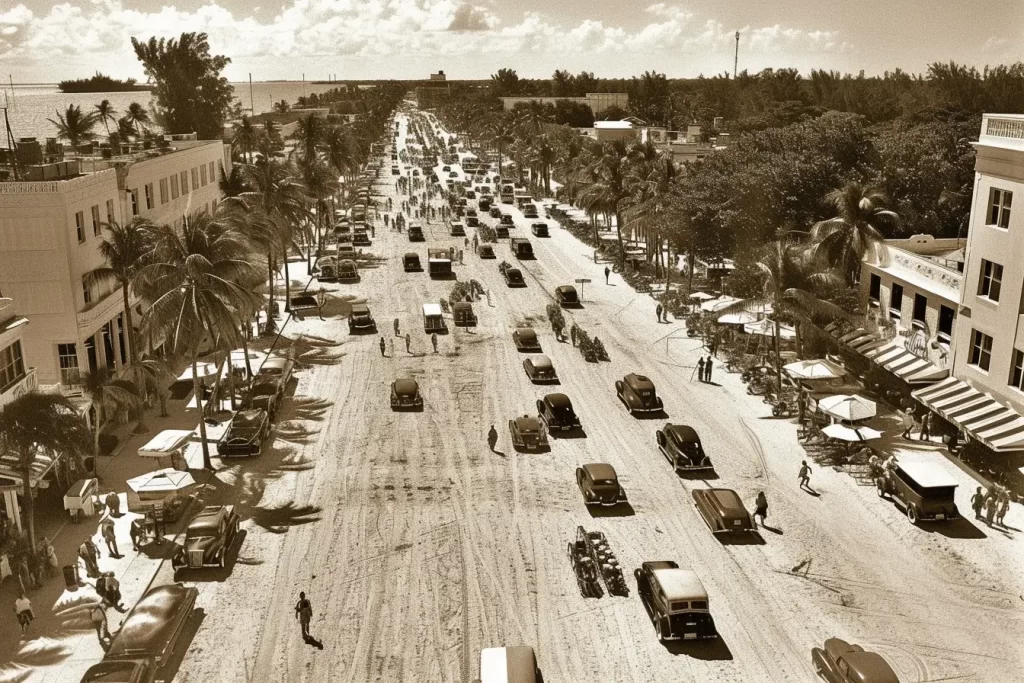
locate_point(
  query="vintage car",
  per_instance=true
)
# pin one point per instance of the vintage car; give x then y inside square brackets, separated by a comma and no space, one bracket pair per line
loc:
[416,234]
[521,248]
[529,211]
[411,262]
[676,601]
[528,433]
[682,447]
[540,229]
[453,174]
[540,370]
[347,271]
[405,393]
[638,395]
[506,219]
[463,315]
[361,238]
[470,194]
[525,339]
[484,203]
[457,230]
[360,320]
[485,251]
[494,212]
[923,489]
[279,369]
[245,433]
[147,637]
[566,296]
[395,171]
[723,511]
[514,277]
[263,394]
[557,413]
[208,537]
[326,268]
[446,168]
[841,662]
[501,231]
[599,484]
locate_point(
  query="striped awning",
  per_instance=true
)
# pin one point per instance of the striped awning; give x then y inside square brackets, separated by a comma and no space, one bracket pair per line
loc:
[860,340]
[909,367]
[990,422]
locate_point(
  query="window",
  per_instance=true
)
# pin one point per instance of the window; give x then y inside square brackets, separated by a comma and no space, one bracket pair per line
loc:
[86,290]
[1017,370]
[12,367]
[110,211]
[896,302]
[67,359]
[946,315]
[999,207]
[991,280]
[875,290]
[184,183]
[163,191]
[96,223]
[981,350]
[80,226]
[195,178]
[149,196]
[920,306]
[202,173]
[174,186]
[134,196]
[213,172]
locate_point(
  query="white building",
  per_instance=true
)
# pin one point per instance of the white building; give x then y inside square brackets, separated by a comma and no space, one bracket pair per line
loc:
[16,378]
[597,101]
[50,232]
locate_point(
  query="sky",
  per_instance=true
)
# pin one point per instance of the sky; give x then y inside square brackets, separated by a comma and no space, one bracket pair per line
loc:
[42,41]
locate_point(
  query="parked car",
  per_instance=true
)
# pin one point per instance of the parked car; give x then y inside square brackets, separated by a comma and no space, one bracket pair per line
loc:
[525,339]
[263,394]
[528,433]
[723,511]
[540,370]
[506,219]
[637,393]
[279,369]
[521,248]
[411,262]
[416,234]
[485,251]
[676,601]
[395,171]
[841,662]
[682,447]
[405,393]
[360,320]
[501,231]
[457,230]
[463,315]
[557,413]
[923,489]
[599,484]
[540,229]
[529,211]
[514,277]
[245,433]
[494,212]
[347,271]
[566,296]
[361,238]
[147,637]
[208,537]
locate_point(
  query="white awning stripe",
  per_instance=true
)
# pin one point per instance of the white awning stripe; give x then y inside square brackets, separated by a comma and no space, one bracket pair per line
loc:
[997,426]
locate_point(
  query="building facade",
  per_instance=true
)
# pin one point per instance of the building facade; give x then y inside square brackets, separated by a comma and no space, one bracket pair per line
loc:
[50,232]
[597,101]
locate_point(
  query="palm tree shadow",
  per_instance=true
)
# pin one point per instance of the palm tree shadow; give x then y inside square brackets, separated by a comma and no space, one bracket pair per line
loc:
[307,350]
[278,520]
[305,408]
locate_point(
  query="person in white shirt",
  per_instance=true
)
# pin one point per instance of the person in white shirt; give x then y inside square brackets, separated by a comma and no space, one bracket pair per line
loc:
[23,608]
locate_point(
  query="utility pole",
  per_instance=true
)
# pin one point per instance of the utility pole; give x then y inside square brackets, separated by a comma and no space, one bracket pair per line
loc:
[736,58]
[252,104]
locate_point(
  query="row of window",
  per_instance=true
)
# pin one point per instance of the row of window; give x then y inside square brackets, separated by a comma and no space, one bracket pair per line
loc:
[946,314]
[97,223]
[980,356]
[174,186]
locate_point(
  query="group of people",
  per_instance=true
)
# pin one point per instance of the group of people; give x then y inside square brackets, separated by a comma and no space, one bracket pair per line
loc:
[704,368]
[991,505]
[920,420]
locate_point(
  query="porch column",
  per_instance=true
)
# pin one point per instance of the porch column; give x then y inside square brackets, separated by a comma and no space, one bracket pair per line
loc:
[12,507]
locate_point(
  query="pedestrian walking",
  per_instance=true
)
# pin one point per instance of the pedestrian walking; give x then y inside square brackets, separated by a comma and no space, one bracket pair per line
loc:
[137,531]
[657,312]
[391,346]
[98,616]
[433,341]
[607,272]
[760,508]
[700,368]
[926,426]
[708,364]
[408,343]
[110,537]
[113,503]
[50,557]
[572,333]
[977,502]
[492,438]
[805,476]
[304,613]
[382,347]
[1004,507]
[90,555]
[23,610]
[908,423]
[112,592]
[159,524]
[488,297]
[991,503]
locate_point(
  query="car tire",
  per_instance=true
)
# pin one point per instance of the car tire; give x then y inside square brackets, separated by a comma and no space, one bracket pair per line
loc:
[912,514]
[657,630]
[220,559]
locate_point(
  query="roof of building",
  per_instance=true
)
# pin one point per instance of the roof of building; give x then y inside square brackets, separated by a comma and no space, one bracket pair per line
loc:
[922,272]
[613,125]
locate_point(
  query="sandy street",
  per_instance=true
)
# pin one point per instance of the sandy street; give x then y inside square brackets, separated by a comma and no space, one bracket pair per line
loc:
[418,546]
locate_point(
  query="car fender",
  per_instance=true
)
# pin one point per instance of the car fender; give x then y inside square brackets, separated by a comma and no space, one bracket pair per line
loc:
[660,437]
[540,409]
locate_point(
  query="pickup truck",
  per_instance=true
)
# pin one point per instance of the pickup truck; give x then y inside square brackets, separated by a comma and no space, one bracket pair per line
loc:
[439,263]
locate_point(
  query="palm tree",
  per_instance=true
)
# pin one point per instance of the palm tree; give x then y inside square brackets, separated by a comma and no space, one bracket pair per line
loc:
[320,184]
[138,116]
[106,114]
[856,231]
[339,150]
[233,184]
[191,281]
[74,126]
[246,138]
[282,106]
[156,375]
[123,249]
[309,136]
[608,190]
[36,423]
[108,396]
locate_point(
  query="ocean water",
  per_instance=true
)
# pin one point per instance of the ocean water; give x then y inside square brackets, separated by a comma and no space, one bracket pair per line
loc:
[29,106]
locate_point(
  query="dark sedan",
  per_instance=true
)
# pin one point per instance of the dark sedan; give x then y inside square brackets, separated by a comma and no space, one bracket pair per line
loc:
[514,277]
[207,539]
[540,369]
[842,662]
[638,394]
[682,447]
[723,511]
[527,432]
[599,484]
[485,251]
[556,411]
[525,339]
[567,297]
[405,393]
[245,433]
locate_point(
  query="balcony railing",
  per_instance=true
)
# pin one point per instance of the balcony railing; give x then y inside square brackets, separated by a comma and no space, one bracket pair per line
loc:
[24,385]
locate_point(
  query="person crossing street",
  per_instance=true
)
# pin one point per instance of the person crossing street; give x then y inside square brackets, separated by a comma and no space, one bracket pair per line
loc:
[408,343]
[805,476]
[304,613]
[382,347]
[433,341]
[492,437]
[607,272]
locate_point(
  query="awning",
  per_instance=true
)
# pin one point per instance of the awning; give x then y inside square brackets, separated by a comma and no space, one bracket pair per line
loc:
[990,422]
[909,367]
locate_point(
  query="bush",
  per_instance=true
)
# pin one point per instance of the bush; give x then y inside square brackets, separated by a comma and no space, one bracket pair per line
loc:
[487,233]
[462,291]
[592,349]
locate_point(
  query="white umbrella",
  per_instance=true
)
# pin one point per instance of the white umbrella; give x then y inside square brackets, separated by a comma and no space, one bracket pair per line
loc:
[766,328]
[166,442]
[701,296]
[850,408]
[738,318]
[851,434]
[161,482]
[720,302]
[814,369]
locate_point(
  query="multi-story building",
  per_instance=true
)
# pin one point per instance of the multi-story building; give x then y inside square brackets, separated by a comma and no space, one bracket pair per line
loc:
[597,101]
[50,232]
[16,377]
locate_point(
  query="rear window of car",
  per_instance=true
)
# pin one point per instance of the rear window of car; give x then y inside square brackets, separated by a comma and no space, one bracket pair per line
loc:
[678,605]
[699,604]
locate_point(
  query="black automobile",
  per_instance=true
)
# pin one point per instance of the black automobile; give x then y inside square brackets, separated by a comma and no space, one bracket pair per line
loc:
[411,262]
[567,297]
[485,251]
[405,393]
[506,219]
[599,484]
[525,339]
[360,320]
[682,447]
[555,410]
[208,537]
[416,234]
[527,433]
[263,394]
[540,229]
[637,393]
[540,369]
[514,277]
[501,231]
[245,433]
[494,212]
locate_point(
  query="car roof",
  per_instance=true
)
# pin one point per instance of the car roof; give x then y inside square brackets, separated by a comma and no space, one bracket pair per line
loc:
[462,305]
[209,517]
[600,470]
[926,475]
[487,247]
[639,381]
[870,667]
[558,400]
[540,362]
[406,385]
[360,308]
[724,499]
[431,309]
[412,254]
[526,332]
[683,432]
[680,584]
[527,423]
[151,622]
[565,288]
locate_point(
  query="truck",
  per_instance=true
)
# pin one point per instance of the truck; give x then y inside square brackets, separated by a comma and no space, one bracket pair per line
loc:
[433,319]
[439,263]
[923,489]
[521,247]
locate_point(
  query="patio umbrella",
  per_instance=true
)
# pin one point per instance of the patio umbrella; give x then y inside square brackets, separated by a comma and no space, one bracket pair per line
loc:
[766,328]
[701,296]
[851,434]
[814,369]
[161,483]
[738,318]
[720,302]
[846,407]
[166,442]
